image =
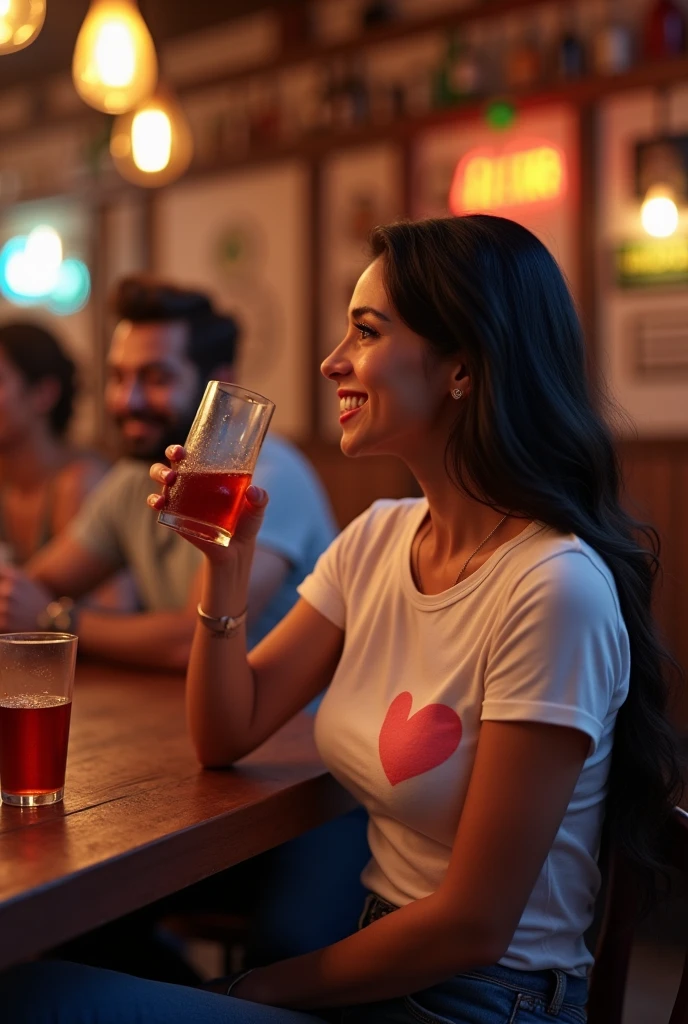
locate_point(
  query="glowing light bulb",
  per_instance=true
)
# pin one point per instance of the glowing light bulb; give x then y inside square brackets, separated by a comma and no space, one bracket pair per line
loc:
[659,213]
[20,23]
[114,55]
[151,140]
[114,65]
[152,144]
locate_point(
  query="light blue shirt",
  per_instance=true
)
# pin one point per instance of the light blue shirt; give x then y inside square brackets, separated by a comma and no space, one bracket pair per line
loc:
[115,524]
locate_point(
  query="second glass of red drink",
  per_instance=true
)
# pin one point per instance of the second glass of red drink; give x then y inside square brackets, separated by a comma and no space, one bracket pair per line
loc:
[206,499]
[36,683]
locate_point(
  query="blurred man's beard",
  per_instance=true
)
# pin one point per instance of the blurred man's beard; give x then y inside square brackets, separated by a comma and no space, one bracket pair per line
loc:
[173,432]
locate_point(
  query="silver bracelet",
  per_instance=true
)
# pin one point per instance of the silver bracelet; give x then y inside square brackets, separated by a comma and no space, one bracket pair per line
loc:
[222,626]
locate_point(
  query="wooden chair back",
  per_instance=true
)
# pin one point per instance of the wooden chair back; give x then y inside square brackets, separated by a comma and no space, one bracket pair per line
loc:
[608,982]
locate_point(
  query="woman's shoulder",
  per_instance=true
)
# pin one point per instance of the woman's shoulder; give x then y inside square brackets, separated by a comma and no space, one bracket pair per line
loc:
[374,533]
[564,569]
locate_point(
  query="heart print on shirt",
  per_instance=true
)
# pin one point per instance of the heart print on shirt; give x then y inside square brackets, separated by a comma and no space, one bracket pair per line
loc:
[411,745]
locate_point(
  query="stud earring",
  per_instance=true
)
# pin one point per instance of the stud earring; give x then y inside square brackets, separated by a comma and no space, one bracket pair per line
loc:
[457,393]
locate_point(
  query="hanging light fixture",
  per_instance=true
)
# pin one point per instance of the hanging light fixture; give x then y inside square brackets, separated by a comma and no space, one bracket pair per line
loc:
[20,23]
[114,65]
[152,144]
[661,171]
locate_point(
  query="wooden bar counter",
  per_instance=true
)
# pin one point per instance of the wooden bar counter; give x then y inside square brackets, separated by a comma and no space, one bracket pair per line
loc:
[141,819]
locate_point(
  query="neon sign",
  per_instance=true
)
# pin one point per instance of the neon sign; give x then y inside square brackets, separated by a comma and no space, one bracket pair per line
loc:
[33,272]
[493,178]
[647,262]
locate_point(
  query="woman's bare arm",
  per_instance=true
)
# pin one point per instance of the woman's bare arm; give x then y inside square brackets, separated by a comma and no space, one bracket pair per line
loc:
[235,700]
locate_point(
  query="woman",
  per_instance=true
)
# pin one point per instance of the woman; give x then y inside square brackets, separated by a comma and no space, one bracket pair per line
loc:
[478,645]
[43,480]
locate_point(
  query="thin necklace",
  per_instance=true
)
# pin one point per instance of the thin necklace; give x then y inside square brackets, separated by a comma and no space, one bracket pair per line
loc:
[463,567]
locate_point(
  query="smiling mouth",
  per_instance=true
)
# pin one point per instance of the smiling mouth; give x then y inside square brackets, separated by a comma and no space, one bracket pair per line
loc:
[349,405]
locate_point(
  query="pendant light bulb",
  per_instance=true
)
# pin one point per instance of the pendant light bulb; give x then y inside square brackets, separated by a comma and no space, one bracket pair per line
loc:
[114,65]
[152,144]
[20,23]
[659,212]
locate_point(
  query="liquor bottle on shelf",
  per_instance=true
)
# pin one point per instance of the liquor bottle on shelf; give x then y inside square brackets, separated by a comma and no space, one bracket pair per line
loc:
[310,113]
[571,57]
[265,114]
[459,75]
[330,103]
[354,93]
[612,47]
[523,60]
[418,90]
[664,31]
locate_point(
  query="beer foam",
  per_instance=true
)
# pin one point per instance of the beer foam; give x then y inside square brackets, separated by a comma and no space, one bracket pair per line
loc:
[32,700]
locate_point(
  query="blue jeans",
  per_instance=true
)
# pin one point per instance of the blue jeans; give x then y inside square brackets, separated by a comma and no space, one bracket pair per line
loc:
[62,993]
[320,870]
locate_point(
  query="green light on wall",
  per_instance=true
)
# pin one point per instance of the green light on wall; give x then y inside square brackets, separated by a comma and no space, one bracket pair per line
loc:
[500,115]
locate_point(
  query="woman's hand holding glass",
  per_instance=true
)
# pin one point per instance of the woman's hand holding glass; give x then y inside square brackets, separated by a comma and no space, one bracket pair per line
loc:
[240,551]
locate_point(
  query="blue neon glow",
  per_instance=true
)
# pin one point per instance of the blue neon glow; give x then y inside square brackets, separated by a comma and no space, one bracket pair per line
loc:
[72,290]
[63,288]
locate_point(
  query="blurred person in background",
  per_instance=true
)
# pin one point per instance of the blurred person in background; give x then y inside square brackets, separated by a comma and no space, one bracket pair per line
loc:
[167,344]
[43,478]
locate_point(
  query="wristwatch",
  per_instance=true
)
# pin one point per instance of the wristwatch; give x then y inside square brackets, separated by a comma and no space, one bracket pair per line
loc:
[58,617]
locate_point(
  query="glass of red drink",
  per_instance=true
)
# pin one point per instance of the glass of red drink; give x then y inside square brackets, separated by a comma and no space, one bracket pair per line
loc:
[206,499]
[36,684]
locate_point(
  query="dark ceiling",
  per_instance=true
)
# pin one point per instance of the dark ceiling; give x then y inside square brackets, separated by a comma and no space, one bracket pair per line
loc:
[53,49]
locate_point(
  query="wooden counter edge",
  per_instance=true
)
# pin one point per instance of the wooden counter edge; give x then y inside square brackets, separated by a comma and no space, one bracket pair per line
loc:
[52,914]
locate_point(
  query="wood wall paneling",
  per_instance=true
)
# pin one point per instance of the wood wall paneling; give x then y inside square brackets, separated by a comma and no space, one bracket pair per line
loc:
[656,479]
[354,484]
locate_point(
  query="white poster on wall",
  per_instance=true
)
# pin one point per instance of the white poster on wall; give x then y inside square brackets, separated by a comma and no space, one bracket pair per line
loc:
[360,188]
[643,324]
[527,172]
[243,237]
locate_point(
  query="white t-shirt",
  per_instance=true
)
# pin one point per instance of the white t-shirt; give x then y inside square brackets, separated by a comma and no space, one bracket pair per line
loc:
[536,635]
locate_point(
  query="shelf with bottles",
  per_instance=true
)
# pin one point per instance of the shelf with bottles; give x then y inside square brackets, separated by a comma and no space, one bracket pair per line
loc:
[302,42]
[403,128]
[624,35]
[532,53]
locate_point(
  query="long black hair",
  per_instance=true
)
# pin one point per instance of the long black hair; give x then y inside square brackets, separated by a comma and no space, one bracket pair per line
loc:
[536,442]
[38,355]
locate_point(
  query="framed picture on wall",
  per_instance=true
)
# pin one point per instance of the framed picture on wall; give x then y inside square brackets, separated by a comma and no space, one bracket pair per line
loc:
[643,299]
[243,237]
